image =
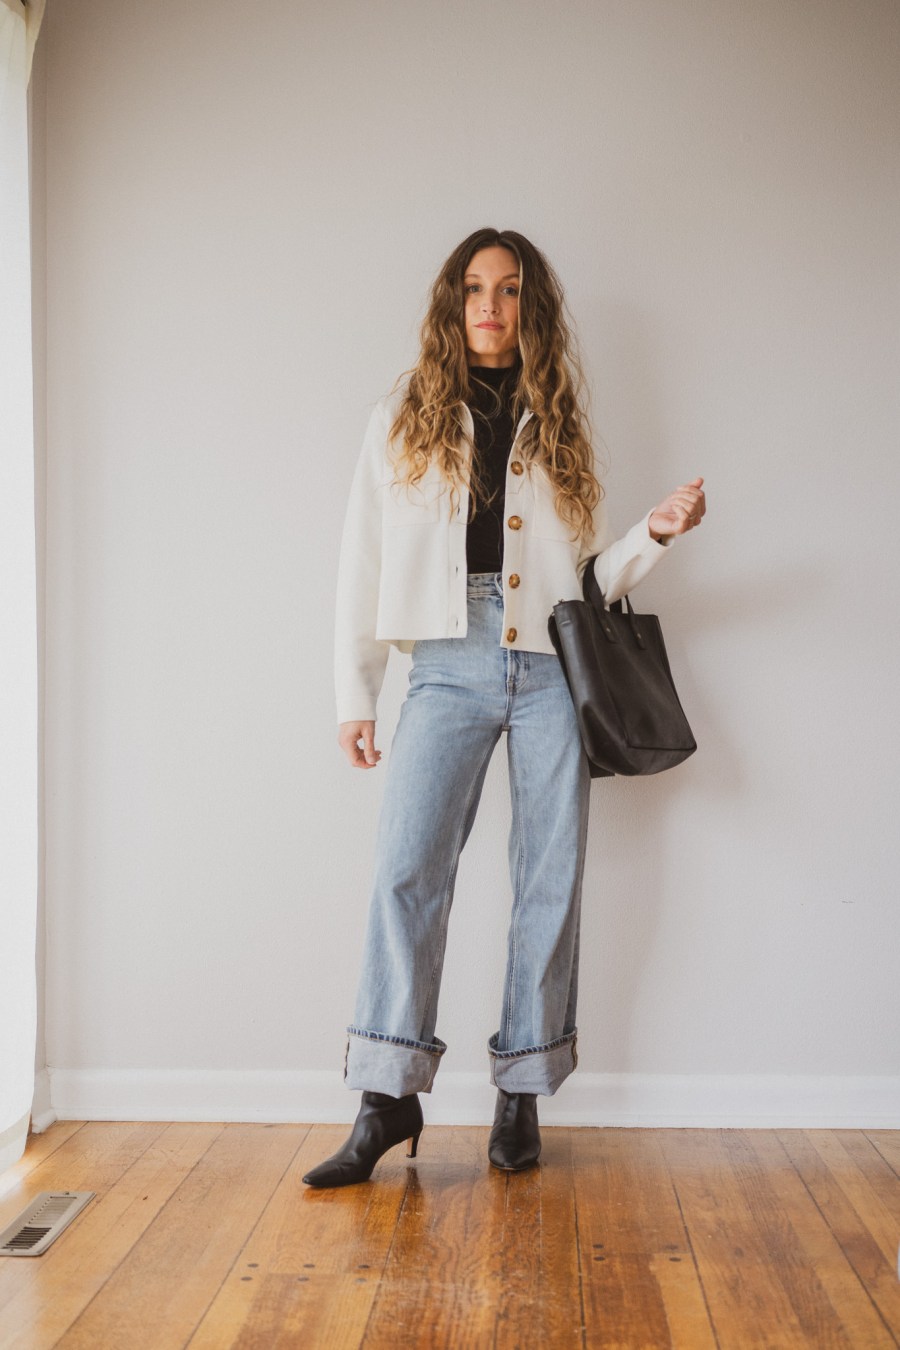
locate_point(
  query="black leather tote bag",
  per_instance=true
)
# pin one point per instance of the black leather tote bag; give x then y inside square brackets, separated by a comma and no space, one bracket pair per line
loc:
[629,715]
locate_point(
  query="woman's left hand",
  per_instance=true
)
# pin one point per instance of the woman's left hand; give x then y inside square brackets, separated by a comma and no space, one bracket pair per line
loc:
[681,511]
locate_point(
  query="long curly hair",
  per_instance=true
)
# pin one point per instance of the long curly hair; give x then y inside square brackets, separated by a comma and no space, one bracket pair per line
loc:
[430,426]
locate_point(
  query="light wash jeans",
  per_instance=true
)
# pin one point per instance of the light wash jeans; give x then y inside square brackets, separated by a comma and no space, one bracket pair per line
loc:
[463,693]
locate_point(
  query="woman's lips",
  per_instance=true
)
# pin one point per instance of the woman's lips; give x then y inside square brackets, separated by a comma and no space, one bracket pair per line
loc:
[492,326]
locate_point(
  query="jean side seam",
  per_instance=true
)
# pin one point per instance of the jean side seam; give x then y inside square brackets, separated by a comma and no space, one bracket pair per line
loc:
[517,888]
[574,979]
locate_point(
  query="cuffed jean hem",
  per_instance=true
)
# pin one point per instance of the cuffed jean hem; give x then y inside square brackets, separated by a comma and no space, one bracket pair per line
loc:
[540,1068]
[399,1067]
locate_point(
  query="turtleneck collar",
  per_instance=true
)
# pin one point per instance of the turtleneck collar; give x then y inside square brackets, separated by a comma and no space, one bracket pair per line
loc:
[495,375]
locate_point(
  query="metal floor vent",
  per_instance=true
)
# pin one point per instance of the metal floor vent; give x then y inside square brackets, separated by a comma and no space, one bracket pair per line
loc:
[42,1222]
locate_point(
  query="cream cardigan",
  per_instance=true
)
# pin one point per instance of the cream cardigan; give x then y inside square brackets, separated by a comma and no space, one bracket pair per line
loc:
[402,567]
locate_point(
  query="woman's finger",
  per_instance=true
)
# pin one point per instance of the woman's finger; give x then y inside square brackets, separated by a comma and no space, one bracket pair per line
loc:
[370,754]
[682,506]
[688,494]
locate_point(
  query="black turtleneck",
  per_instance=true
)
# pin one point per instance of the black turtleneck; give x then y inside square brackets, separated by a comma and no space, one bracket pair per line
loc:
[494,431]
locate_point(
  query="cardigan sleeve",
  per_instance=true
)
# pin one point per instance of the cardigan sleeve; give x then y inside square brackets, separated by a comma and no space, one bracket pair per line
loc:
[360,659]
[621,563]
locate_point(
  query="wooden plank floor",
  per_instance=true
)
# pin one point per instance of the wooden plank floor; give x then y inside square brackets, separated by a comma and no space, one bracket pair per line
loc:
[203,1235]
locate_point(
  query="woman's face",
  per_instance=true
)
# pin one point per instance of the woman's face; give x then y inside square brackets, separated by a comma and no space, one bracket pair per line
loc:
[491,287]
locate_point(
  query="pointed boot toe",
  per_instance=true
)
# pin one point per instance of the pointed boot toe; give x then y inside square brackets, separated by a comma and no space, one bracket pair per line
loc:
[515,1141]
[382,1123]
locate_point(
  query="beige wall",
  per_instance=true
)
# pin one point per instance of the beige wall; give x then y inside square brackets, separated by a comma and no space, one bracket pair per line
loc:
[244,209]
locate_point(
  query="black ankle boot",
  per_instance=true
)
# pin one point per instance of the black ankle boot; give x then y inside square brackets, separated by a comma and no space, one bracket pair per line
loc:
[515,1141]
[382,1122]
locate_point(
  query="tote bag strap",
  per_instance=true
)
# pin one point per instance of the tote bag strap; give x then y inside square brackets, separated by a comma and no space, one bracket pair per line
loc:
[594,596]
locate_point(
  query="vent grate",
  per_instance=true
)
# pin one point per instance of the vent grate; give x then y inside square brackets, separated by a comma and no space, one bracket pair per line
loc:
[42,1222]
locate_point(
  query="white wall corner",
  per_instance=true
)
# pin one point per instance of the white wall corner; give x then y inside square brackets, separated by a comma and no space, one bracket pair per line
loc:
[42,1112]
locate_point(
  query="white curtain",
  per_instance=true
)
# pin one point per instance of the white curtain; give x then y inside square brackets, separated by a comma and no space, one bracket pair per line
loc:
[19,25]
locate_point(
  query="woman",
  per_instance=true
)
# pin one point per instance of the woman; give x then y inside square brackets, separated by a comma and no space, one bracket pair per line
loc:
[474,509]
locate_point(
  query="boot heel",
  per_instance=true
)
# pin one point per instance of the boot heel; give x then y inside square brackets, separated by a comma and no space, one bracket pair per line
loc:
[413,1145]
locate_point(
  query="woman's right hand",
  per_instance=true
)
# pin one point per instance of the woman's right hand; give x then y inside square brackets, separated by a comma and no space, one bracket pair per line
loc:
[349,736]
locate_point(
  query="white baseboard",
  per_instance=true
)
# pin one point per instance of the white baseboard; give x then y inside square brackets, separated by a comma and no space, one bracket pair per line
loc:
[704,1101]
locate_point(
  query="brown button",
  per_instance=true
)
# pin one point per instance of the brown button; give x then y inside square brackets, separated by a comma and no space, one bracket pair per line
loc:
[514,580]
[511,635]
[515,522]
[517,466]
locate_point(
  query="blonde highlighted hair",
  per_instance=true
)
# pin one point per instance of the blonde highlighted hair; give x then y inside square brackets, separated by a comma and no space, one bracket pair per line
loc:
[429,425]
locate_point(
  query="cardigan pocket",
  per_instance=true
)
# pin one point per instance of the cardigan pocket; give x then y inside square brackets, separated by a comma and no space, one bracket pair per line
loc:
[412,504]
[547,522]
